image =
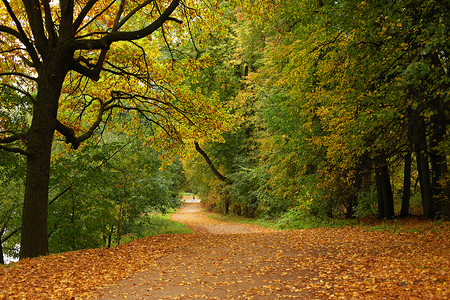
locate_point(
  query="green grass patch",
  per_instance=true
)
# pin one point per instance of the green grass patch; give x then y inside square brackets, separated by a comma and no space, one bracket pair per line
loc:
[162,224]
[156,224]
[239,219]
[307,222]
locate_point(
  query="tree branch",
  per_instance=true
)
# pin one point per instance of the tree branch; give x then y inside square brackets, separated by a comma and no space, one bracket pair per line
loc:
[19,90]
[93,73]
[34,15]
[17,74]
[10,139]
[14,150]
[20,35]
[10,234]
[69,133]
[120,23]
[211,165]
[87,7]
[66,31]
[104,42]
[60,194]
[14,137]
[49,25]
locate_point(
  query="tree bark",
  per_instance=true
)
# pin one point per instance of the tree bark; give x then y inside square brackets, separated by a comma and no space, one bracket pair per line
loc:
[2,259]
[384,191]
[210,164]
[404,212]
[34,238]
[423,169]
[438,161]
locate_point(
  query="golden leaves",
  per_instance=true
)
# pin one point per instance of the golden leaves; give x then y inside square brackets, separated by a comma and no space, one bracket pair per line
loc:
[346,263]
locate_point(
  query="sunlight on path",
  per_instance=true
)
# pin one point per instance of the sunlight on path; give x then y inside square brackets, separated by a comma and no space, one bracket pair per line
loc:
[190,214]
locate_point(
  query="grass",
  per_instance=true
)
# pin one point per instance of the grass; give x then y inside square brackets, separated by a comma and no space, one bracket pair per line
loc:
[409,225]
[162,224]
[157,224]
[239,219]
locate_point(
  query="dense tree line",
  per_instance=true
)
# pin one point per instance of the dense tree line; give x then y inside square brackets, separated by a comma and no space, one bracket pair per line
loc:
[300,109]
[343,108]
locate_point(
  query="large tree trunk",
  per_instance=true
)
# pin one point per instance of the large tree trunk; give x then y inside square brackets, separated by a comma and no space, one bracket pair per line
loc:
[34,239]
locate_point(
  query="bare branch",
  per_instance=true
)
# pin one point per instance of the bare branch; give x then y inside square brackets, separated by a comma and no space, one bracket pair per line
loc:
[21,36]
[49,25]
[66,31]
[29,96]
[12,138]
[121,22]
[210,164]
[118,16]
[12,32]
[18,74]
[83,14]
[97,15]
[115,36]
[93,73]
[14,150]
[34,15]
[69,133]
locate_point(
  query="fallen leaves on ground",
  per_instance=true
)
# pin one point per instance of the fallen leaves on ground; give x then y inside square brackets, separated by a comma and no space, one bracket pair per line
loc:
[327,263]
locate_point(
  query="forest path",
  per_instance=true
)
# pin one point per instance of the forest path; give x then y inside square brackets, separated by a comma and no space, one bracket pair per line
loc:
[190,214]
[236,261]
[400,259]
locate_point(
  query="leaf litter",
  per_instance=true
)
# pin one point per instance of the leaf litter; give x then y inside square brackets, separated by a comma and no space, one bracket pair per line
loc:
[246,263]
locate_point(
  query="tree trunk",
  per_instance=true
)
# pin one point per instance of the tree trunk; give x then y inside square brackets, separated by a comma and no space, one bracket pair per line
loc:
[423,169]
[361,171]
[34,239]
[2,259]
[404,212]
[439,169]
[384,191]
[72,221]
[119,223]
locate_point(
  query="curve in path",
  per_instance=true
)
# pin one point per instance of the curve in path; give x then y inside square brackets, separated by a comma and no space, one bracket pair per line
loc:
[190,214]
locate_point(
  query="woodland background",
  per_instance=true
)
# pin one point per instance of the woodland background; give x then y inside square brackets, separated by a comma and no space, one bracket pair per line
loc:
[309,113]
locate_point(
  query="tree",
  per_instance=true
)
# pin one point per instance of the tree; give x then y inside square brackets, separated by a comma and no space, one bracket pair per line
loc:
[53,53]
[340,83]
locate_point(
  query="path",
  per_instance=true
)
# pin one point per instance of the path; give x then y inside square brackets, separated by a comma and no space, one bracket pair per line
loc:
[412,262]
[190,214]
[231,261]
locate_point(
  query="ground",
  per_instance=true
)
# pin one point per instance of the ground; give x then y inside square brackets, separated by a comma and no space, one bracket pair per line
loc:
[234,261]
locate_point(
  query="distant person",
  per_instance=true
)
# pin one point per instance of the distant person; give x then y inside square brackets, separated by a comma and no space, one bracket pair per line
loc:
[193,198]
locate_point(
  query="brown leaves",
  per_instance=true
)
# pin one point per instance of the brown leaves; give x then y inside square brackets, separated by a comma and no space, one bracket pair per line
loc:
[348,263]
[77,274]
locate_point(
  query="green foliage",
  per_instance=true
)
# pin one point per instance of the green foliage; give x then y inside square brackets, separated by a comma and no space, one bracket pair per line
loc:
[12,172]
[297,219]
[332,91]
[267,223]
[112,185]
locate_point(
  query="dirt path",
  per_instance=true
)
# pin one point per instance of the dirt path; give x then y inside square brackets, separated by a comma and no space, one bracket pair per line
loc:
[190,214]
[232,261]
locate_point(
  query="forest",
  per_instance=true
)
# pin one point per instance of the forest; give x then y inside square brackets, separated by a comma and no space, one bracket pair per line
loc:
[308,113]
